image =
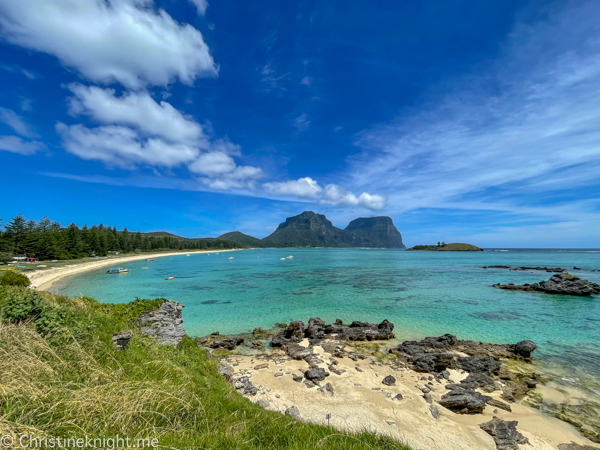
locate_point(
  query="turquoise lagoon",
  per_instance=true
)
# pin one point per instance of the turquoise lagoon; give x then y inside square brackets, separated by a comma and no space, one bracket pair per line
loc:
[422,293]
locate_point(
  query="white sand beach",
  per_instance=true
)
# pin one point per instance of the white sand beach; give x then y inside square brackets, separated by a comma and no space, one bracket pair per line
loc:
[361,402]
[44,279]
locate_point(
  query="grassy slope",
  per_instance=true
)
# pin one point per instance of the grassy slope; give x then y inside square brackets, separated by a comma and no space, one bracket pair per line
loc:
[75,383]
[455,247]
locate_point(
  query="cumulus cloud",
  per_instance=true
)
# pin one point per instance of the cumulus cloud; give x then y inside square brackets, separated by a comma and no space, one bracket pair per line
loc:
[122,146]
[15,144]
[305,188]
[242,177]
[213,163]
[17,123]
[138,110]
[125,41]
[336,195]
[200,5]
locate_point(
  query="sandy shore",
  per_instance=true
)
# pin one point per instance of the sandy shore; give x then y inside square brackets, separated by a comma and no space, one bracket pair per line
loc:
[44,279]
[361,402]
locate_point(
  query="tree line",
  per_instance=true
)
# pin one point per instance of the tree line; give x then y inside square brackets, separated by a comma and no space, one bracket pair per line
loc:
[47,240]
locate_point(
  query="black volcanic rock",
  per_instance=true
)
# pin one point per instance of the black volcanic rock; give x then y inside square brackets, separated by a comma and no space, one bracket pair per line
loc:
[560,283]
[374,232]
[315,230]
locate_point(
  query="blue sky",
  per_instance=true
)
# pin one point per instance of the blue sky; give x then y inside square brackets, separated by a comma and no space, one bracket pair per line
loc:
[463,121]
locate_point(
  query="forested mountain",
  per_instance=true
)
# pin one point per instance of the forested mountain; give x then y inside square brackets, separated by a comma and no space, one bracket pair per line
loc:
[315,230]
[241,238]
[50,240]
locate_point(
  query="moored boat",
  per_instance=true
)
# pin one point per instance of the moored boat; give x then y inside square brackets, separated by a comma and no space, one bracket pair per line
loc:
[231,257]
[117,270]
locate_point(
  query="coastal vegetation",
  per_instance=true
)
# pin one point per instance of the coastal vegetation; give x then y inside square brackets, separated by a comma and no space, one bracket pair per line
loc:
[62,375]
[47,240]
[443,247]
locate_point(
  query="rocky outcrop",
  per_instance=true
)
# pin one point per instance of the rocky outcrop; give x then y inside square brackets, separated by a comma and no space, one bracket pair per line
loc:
[164,324]
[122,340]
[294,412]
[574,446]
[220,342]
[523,268]
[585,417]
[505,433]
[245,386]
[561,283]
[464,401]
[317,330]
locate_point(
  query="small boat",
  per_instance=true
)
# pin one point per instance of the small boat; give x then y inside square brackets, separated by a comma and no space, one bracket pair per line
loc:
[117,270]
[231,257]
[216,253]
[289,257]
[170,278]
[283,259]
[150,259]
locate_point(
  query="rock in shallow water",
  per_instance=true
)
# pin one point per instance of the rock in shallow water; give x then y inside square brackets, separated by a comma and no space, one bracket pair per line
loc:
[561,283]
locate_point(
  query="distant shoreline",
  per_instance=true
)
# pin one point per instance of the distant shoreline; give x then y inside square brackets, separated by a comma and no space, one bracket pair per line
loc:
[45,279]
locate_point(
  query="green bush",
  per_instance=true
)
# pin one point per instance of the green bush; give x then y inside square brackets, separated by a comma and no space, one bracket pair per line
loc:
[18,305]
[11,278]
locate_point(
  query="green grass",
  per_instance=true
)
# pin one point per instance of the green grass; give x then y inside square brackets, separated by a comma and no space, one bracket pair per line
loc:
[73,382]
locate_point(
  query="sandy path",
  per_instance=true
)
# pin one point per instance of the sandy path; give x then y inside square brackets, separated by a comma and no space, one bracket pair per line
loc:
[44,279]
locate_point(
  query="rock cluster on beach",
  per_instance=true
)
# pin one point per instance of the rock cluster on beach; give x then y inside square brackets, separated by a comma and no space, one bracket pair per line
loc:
[560,283]
[435,355]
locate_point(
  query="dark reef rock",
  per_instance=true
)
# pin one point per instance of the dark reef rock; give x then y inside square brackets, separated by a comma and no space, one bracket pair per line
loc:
[164,324]
[545,269]
[505,433]
[222,342]
[475,364]
[389,381]
[464,401]
[561,283]
[122,340]
[316,374]
[317,330]
[245,386]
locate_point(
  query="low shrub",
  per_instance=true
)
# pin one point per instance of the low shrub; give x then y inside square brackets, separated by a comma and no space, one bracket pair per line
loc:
[11,278]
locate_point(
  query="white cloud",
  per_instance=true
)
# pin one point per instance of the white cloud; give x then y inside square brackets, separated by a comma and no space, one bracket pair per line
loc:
[336,195]
[110,40]
[138,110]
[15,144]
[201,6]
[123,147]
[26,104]
[305,188]
[242,177]
[17,123]
[302,122]
[213,163]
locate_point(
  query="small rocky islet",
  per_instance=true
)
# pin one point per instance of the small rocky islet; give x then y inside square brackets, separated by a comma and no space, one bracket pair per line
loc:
[561,283]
